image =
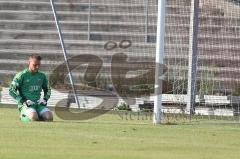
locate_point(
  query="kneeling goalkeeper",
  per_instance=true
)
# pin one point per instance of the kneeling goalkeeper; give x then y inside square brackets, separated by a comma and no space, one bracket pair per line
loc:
[26,89]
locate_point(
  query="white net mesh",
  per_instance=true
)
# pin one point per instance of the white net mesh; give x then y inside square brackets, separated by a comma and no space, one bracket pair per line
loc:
[218,59]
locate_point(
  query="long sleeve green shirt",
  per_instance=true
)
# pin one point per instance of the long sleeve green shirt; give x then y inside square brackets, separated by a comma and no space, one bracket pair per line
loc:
[28,86]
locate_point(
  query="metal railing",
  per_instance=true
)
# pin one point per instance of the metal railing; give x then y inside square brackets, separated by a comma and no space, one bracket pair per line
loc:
[89,18]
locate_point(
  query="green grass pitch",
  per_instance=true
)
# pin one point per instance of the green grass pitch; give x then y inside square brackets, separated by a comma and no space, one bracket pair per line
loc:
[112,137]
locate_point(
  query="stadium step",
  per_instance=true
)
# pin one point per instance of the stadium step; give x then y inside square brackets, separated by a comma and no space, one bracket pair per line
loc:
[112,27]
[85,16]
[73,26]
[123,17]
[170,57]
[27,26]
[105,36]
[76,7]
[97,45]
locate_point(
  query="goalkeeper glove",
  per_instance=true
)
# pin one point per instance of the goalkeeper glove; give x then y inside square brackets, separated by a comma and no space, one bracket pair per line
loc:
[29,103]
[42,102]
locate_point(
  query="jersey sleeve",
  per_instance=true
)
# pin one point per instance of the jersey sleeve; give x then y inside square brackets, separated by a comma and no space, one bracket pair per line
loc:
[46,88]
[15,87]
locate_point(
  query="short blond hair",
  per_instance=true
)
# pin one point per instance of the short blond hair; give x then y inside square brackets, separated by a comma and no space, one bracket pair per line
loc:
[35,56]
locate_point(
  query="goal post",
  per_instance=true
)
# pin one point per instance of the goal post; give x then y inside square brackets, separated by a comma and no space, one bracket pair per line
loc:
[159,61]
[192,61]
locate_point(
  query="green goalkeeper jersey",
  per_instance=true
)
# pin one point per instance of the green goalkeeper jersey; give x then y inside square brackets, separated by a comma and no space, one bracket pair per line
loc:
[28,86]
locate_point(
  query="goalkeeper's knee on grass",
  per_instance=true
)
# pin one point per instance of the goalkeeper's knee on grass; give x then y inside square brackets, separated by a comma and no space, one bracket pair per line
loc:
[25,118]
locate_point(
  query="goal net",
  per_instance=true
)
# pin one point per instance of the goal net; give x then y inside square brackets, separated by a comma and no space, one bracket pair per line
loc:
[218,59]
[122,33]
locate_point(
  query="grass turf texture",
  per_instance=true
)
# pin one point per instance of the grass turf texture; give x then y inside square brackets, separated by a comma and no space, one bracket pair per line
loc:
[112,137]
